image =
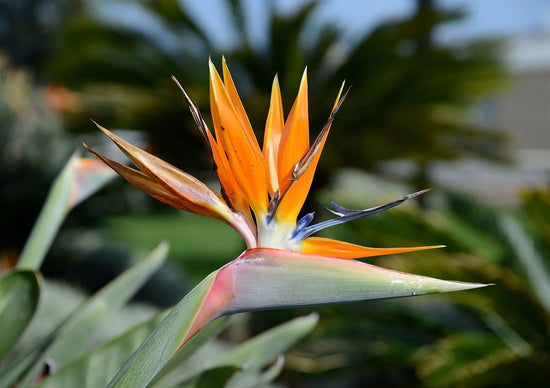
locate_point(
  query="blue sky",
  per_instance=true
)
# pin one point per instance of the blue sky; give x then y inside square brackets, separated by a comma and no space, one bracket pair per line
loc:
[488,18]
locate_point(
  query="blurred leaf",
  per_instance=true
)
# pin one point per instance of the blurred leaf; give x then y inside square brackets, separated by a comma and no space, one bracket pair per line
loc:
[96,367]
[19,295]
[248,357]
[190,237]
[164,342]
[217,377]
[233,377]
[536,203]
[253,378]
[73,336]
[206,334]
[530,258]
[461,358]
[80,178]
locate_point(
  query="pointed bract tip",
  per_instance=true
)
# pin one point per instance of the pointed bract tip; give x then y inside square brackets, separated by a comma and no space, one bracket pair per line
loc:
[103,129]
[342,87]
[416,194]
[187,98]
[463,286]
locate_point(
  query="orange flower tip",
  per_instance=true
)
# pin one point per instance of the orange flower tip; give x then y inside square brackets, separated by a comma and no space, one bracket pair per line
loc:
[432,247]
[304,77]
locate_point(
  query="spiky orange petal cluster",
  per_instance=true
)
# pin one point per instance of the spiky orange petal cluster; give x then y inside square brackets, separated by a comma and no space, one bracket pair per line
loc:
[272,182]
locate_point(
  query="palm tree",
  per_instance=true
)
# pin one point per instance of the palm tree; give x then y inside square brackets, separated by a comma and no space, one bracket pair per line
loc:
[408,100]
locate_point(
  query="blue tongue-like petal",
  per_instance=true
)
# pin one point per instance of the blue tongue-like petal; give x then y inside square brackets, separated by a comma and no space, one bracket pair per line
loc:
[302,224]
[345,215]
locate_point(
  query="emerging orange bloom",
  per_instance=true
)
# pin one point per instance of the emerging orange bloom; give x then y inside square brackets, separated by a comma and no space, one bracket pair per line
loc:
[263,189]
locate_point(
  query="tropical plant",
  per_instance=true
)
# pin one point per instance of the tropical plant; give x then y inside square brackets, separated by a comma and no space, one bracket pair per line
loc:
[283,266]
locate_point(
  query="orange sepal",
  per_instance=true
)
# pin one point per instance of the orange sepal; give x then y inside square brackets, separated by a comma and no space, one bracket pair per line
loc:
[272,136]
[230,187]
[243,153]
[344,250]
[190,191]
[143,182]
[295,136]
[237,104]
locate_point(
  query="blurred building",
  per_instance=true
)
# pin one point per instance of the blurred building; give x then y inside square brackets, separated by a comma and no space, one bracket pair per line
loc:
[522,109]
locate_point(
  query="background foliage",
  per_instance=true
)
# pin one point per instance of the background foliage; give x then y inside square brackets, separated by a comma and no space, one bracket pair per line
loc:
[409,100]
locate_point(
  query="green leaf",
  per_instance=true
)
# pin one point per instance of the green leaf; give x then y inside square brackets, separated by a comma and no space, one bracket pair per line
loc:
[466,359]
[249,357]
[96,367]
[217,377]
[19,295]
[254,378]
[531,259]
[189,349]
[80,178]
[163,343]
[74,335]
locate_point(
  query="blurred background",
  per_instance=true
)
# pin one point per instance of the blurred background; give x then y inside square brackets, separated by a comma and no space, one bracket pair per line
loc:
[448,94]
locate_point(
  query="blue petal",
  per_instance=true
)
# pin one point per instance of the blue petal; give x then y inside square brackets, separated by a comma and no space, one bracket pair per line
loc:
[302,224]
[345,215]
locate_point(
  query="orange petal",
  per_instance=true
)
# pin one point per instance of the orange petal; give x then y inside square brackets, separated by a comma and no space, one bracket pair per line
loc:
[295,137]
[301,175]
[237,104]
[231,188]
[343,250]
[243,153]
[193,193]
[273,130]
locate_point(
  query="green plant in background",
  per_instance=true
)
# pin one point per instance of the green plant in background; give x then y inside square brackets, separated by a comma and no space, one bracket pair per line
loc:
[498,336]
[33,148]
[408,100]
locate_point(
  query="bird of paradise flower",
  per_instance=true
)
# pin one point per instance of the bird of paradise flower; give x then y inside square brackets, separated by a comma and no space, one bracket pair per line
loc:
[262,193]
